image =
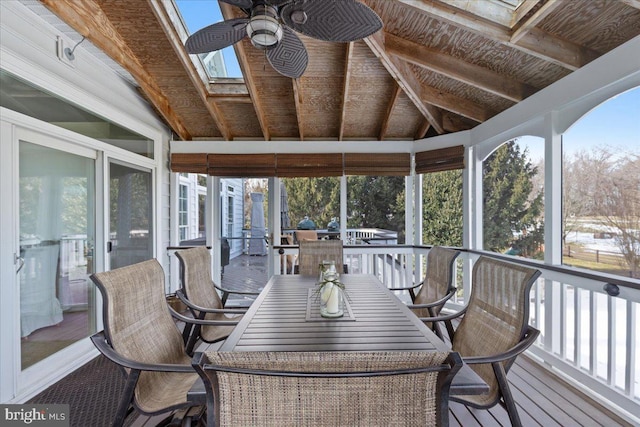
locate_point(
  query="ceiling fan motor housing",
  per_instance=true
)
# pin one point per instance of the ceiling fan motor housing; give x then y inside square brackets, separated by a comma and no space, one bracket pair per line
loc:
[264,28]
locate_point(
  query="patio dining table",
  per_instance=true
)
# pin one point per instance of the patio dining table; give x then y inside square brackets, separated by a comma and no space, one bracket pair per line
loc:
[286,317]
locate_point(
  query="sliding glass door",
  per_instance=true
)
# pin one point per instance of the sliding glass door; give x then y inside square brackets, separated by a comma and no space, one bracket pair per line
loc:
[130,215]
[56,237]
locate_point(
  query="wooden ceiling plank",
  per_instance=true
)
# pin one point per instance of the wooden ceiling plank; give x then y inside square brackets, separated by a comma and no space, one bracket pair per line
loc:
[249,80]
[88,19]
[297,97]
[544,46]
[407,81]
[178,46]
[387,117]
[471,74]
[230,99]
[455,104]
[537,17]
[345,89]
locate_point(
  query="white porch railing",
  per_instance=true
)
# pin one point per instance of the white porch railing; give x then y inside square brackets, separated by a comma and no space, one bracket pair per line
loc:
[587,335]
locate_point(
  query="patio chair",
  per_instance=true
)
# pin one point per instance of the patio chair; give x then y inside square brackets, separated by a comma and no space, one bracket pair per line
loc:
[300,235]
[311,253]
[436,288]
[327,388]
[141,336]
[494,329]
[200,294]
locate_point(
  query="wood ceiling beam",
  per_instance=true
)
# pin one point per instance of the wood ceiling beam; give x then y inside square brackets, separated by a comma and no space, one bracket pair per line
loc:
[178,46]
[455,104]
[345,89]
[534,42]
[422,130]
[387,117]
[297,98]
[88,19]
[405,78]
[536,18]
[241,55]
[457,69]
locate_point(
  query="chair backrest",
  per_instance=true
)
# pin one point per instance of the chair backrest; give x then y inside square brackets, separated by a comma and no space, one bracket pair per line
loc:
[313,252]
[497,314]
[195,274]
[438,279]
[301,235]
[329,388]
[137,321]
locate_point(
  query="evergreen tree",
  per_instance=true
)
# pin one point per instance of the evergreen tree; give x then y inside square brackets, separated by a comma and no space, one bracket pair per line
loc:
[442,208]
[511,216]
[317,198]
[376,202]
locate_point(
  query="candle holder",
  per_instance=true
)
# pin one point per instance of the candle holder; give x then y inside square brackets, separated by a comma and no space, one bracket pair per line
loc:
[330,290]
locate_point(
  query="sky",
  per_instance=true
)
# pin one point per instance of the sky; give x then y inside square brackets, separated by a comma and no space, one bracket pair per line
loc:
[195,19]
[614,124]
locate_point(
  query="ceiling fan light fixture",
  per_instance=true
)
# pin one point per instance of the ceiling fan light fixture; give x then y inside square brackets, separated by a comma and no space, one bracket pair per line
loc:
[264,29]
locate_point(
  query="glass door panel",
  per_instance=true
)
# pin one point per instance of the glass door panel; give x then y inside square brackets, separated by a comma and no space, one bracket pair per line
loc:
[130,215]
[56,213]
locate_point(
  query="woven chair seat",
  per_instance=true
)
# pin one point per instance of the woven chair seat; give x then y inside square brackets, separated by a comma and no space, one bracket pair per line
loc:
[328,388]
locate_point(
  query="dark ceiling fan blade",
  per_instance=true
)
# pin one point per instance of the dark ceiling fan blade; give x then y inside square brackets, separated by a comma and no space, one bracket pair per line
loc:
[217,36]
[331,20]
[290,57]
[278,2]
[243,4]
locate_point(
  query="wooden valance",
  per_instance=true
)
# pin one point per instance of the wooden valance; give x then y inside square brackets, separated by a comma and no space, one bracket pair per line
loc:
[443,159]
[377,164]
[242,165]
[292,165]
[189,162]
[309,165]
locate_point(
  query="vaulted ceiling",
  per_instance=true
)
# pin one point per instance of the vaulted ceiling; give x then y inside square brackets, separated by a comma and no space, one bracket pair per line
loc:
[437,66]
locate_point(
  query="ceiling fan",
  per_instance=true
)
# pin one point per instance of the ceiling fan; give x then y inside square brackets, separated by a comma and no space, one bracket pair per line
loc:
[270,23]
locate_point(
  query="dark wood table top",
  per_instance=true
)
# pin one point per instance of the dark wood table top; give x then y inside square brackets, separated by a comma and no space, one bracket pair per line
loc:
[285,317]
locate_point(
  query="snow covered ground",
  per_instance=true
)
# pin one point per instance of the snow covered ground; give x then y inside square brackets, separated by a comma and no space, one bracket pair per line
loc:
[590,243]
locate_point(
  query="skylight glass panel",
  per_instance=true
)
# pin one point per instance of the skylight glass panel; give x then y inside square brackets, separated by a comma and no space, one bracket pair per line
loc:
[197,14]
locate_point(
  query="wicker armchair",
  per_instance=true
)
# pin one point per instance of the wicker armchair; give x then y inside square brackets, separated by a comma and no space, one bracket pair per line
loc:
[313,252]
[436,288]
[494,329]
[327,388]
[141,336]
[200,294]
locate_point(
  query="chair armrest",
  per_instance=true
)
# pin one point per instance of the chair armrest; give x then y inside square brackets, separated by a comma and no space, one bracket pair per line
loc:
[445,317]
[530,337]
[231,291]
[100,341]
[193,306]
[435,303]
[206,322]
[406,288]
[411,290]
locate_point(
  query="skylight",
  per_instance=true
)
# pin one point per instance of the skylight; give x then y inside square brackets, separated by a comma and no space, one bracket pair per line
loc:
[197,14]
